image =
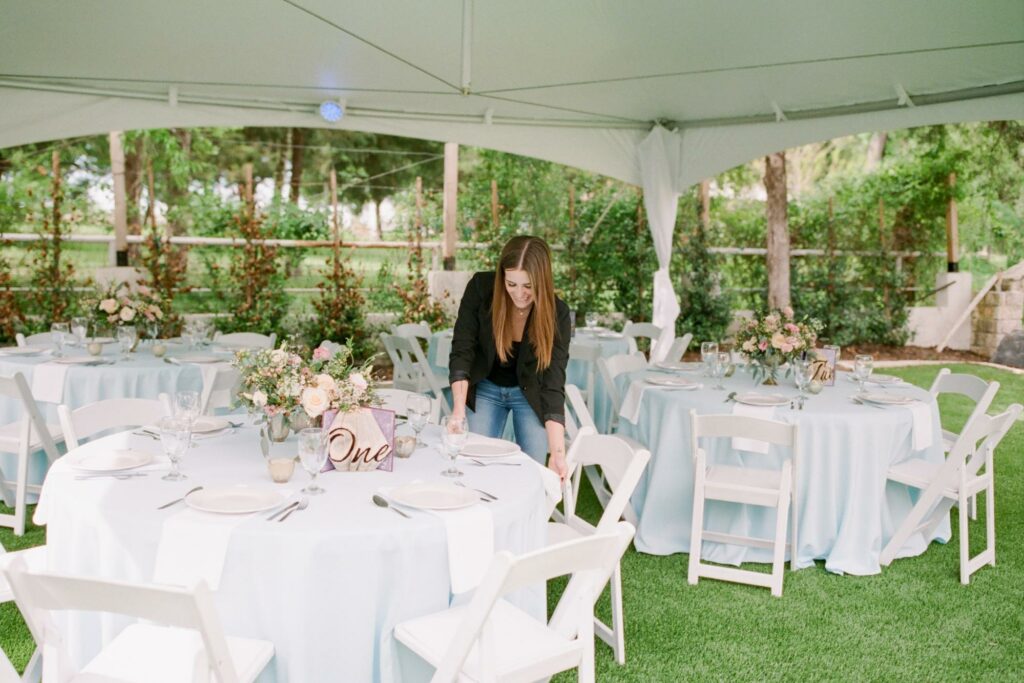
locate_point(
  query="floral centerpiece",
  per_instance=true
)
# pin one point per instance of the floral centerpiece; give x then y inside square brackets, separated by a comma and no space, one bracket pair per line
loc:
[335,382]
[118,305]
[774,339]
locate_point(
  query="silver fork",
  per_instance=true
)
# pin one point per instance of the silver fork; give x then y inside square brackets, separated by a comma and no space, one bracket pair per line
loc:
[487,497]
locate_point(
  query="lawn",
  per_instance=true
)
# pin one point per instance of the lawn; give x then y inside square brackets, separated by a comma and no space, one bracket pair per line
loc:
[912,622]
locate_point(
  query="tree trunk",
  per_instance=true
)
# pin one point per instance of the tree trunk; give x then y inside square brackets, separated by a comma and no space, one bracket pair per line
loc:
[133,163]
[298,154]
[778,230]
[278,174]
[876,150]
[705,205]
[378,229]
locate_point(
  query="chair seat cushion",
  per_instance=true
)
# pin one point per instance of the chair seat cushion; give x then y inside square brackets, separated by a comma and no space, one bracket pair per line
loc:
[145,653]
[10,434]
[520,642]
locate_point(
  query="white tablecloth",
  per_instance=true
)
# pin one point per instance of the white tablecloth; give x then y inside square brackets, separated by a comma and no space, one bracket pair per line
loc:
[847,510]
[326,587]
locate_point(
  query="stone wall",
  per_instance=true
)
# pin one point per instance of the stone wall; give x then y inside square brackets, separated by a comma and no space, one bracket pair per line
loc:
[998,314]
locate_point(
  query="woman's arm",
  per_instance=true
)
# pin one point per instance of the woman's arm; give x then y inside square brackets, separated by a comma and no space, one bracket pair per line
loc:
[556,447]
[459,390]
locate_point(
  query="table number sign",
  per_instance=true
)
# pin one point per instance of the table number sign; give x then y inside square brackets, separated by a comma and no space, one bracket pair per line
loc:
[823,366]
[360,440]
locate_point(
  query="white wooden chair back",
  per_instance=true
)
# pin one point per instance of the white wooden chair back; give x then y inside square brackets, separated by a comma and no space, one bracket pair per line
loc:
[38,339]
[631,331]
[444,348]
[30,434]
[419,330]
[101,416]
[223,390]
[577,414]
[970,386]
[246,340]
[39,595]
[613,366]
[622,466]
[415,363]
[588,354]
[678,348]
[34,558]
[401,371]
[589,560]
[395,399]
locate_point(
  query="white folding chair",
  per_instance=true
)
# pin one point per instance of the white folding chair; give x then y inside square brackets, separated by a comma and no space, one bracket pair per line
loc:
[246,340]
[189,646]
[223,389]
[114,413]
[489,639]
[631,331]
[678,348]
[771,488]
[395,399]
[587,353]
[622,466]
[610,368]
[444,348]
[413,372]
[419,330]
[24,436]
[967,471]
[35,558]
[973,388]
[38,339]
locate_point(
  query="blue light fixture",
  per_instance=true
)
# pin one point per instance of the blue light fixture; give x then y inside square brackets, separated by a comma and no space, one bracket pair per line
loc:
[332,111]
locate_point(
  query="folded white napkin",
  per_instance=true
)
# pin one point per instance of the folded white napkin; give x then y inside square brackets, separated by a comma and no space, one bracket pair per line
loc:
[193,546]
[631,403]
[48,382]
[921,434]
[552,486]
[740,443]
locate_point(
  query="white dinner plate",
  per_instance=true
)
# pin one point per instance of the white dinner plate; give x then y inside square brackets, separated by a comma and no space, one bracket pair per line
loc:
[201,358]
[109,461]
[609,335]
[592,329]
[885,398]
[82,360]
[205,424]
[679,366]
[234,500]
[678,382]
[877,379]
[101,340]
[489,449]
[433,496]
[756,399]
[24,350]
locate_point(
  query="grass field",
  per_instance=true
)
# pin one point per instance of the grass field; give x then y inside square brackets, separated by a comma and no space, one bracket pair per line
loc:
[912,622]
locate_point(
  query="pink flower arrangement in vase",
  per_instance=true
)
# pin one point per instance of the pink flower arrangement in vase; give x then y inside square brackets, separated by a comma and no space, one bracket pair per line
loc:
[776,338]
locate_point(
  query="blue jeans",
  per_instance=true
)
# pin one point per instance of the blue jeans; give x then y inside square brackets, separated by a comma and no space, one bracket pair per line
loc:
[493,404]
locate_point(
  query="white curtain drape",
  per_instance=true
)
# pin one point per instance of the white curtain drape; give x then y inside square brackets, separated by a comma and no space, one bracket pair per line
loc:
[660,157]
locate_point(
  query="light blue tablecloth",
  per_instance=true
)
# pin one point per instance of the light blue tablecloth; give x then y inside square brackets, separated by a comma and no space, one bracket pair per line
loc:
[847,510]
[576,373]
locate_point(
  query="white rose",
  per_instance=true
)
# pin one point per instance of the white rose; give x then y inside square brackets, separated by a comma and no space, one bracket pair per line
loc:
[315,401]
[278,357]
[293,389]
[358,382]
[259,399]
[127,314]
[326,382]
[749,345]
[108,306]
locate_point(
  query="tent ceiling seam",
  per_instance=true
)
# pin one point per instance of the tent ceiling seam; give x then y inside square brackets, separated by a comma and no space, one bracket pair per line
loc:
[752,67]
[369,43]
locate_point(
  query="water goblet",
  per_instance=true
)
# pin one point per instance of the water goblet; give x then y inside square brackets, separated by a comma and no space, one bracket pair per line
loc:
[59,335]
[802,376]
[720,365]
[454,432]
[708,353]
[175,437]
[417,409]
[79,330]
[862,366]
[591,319]
[186,405]
[312,456]
[126,338]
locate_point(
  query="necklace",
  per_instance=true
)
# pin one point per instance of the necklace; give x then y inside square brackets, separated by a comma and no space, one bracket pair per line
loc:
[522,312]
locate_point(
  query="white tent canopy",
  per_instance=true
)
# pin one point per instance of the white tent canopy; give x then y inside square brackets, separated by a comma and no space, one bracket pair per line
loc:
[577,82]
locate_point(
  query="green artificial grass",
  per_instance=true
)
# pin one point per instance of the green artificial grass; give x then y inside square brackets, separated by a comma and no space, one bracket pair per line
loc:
[914,621]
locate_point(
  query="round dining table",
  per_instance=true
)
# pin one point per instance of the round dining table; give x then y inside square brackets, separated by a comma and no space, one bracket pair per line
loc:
[326,586]
[847,510]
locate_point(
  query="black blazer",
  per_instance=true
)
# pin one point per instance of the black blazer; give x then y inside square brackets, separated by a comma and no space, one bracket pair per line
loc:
[474,351]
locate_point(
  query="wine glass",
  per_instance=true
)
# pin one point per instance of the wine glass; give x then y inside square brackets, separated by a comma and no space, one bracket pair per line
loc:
[186,405]
[721,363]
[80,329]
[126,337]
[417,409]
[312,456]
[454,432]
[59,334]
[862,365]
[591,319]
[708,354]
[175,437]
[802,376]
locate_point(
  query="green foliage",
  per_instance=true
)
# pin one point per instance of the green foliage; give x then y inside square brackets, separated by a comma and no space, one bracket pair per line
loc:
[704,309]
[11,316]
[339,311]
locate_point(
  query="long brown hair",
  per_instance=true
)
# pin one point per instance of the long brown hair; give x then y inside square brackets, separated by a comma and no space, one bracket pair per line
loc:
[532,255]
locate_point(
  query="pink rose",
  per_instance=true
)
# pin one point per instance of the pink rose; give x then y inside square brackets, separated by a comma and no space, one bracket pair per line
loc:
[763,345]
[321,353]
[792,329]
[359,383]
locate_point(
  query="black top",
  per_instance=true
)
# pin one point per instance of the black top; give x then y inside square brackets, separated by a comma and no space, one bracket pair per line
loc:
[504,374]
[473,352]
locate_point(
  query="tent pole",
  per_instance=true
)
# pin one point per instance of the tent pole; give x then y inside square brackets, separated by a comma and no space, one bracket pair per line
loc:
[451,188]
[120,255]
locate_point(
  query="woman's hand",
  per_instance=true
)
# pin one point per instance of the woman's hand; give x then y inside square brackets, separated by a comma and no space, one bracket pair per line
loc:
[557,464]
